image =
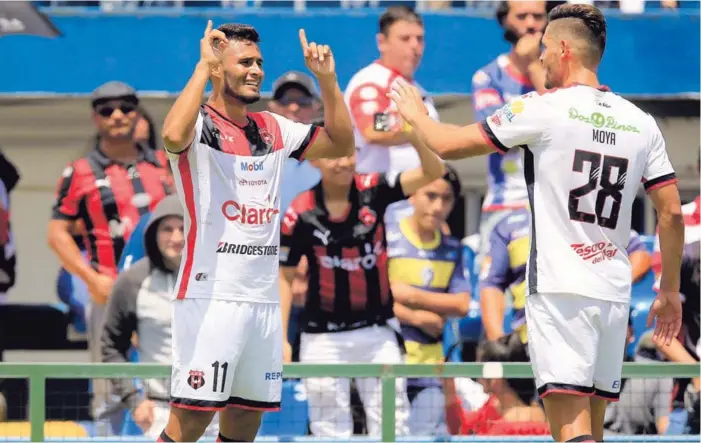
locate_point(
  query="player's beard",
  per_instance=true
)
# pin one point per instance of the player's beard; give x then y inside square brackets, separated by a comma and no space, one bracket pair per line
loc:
[246,100]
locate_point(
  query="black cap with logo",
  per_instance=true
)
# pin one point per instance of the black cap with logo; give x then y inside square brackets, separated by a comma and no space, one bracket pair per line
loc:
[294,79]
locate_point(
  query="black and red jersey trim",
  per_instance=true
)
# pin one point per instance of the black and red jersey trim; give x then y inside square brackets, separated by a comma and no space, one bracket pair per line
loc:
[308,141]
[232,402]
[660,181]
[490,138]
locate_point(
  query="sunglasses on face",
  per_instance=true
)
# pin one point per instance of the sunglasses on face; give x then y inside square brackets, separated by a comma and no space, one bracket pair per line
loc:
[302,102]
[108,110]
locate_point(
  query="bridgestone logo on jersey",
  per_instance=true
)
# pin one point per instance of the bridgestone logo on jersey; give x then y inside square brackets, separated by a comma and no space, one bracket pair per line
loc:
[233,248]
[248,215]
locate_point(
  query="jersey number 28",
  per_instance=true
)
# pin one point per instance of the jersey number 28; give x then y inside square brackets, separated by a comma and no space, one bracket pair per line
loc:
[600,180]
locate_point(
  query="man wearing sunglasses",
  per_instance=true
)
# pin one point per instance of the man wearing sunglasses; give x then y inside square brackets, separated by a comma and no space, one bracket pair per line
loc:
[108,189]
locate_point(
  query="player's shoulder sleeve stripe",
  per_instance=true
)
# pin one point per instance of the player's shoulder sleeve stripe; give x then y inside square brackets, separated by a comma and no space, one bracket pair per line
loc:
[658,182]
[308,141]
[490,138]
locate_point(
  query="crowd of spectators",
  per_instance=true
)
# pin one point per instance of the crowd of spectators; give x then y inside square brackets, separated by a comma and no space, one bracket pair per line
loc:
[482,6]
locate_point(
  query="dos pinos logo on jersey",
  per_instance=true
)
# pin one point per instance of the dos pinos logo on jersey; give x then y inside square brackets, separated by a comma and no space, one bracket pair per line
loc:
[248,214]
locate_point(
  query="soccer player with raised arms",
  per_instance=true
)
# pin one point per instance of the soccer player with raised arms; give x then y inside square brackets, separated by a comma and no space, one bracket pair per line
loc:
[227,164]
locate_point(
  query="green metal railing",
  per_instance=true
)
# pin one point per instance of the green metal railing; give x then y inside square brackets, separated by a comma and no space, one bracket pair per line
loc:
[38,373]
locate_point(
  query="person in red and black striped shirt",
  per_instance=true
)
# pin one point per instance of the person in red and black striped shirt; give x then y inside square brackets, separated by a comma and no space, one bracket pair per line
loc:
[348,315]
[108,189]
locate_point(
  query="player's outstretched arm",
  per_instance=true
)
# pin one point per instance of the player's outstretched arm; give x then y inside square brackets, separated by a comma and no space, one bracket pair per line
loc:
[336,139]
[667,305]
[179,126]
[431,168]
[448,141]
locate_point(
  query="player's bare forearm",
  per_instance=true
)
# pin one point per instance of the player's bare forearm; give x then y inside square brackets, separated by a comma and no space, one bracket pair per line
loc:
[337,119]
[492,305]
[179,125]
[671,233]
[404,314]
[287,274]
[431,168]
[387,139]
[454,305]
[676,352]
[451,141]
[62,243]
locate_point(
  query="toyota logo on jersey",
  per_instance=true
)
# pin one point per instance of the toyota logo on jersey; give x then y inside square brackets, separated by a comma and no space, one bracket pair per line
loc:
[248,214]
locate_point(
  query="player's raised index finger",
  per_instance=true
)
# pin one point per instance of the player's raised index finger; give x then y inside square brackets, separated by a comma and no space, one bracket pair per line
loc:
[303,39]
[208,29]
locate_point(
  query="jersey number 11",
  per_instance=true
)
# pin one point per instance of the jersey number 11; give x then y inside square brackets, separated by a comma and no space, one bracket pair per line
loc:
[600,180]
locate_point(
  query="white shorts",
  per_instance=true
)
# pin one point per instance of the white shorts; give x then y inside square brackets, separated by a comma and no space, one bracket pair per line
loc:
[226,354]
[329,397]
[576,344]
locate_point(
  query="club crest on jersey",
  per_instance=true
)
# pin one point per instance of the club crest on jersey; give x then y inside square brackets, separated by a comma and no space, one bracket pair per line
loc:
[196,379]
[267,137]
[367,216]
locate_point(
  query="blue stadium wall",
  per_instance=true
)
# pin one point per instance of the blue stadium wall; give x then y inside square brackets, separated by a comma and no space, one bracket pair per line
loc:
[647,55]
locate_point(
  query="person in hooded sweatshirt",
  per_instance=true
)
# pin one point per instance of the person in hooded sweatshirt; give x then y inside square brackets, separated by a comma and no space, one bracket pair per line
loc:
[140,305]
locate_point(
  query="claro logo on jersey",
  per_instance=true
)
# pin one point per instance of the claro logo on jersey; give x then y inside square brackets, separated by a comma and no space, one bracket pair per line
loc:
[252,166]
[367,261]
[248,214]
[596,252]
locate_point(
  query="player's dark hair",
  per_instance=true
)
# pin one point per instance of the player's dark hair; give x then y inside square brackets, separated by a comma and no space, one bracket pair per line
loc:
[589,24]
[241,32]
[397,13]
[453,179]
[508,349]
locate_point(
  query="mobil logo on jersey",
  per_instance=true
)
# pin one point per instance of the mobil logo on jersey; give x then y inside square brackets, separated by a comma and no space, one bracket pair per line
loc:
[248,214]
[252,166]
[595,252]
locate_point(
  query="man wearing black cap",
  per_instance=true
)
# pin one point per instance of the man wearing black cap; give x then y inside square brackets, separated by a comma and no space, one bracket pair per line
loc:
[108,190]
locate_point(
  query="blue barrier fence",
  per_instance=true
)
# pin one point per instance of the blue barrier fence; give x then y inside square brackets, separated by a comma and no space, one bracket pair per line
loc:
[156,50]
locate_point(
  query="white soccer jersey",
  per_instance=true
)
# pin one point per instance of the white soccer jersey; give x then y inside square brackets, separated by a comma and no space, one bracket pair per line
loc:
[228,182]
[585,153]
[366,96]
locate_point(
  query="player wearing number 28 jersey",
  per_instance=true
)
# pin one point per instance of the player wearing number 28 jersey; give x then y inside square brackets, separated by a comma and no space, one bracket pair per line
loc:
[585,152]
